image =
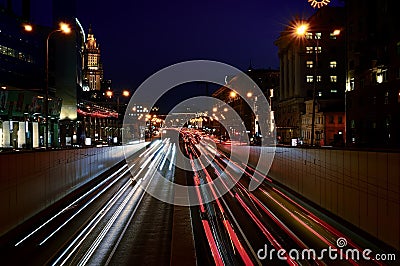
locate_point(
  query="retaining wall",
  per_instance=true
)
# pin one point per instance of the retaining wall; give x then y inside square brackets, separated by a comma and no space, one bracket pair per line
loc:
[362,187]
[359,186]
[32,181]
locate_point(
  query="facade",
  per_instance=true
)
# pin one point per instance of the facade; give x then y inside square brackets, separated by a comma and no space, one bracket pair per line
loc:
[22,81]
[267,80]
[93,69]
[373,78]
[329,124]
[312,66]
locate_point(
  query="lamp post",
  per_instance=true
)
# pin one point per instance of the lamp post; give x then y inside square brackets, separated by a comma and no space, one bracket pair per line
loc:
[110,94]
[64,28]
[301,30]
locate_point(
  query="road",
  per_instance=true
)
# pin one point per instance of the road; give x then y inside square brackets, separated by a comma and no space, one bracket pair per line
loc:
[114,221]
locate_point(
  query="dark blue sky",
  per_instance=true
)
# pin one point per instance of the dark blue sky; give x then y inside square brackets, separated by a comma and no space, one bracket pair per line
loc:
[140,37]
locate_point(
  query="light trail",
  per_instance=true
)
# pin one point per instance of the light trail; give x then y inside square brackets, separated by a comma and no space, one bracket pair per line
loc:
[70,205]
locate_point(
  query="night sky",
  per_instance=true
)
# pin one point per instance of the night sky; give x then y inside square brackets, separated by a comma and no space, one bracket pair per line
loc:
[138,38]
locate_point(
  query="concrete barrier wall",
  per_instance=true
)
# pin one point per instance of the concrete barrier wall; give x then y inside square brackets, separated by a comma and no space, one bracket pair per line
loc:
[361,187]
[32,181]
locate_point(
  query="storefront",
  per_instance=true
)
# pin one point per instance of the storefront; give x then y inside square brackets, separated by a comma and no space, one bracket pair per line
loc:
[22,120]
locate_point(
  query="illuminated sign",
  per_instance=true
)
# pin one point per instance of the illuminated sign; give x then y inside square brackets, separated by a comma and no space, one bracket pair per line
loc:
[318,3]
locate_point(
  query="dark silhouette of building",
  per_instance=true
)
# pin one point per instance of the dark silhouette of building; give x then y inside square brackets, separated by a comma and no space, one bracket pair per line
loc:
[267,80]
[373,78]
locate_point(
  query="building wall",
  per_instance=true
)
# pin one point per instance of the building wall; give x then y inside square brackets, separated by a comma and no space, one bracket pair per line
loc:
[294,53]
[361,187]
[373,103]
[46,177]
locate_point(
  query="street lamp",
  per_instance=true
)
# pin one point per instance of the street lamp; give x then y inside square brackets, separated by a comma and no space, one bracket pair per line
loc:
[301,30]
[64,28]
[110,94]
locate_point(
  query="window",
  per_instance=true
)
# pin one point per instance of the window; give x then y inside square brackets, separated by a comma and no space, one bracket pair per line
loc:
[333,91]
[340,119]
[333,78]
[333,64]
[387,97]
[331,119]
[319,78]
[352,84]
[310,79]
[320,94]
[309,50]
[318,35]
[398,48]
[381,75]
[309,35]
[310,64]
[318,49]
[333,35]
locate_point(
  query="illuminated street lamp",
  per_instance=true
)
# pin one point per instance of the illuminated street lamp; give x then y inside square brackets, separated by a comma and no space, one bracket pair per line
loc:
[66,29]
[28,27]
[110,94]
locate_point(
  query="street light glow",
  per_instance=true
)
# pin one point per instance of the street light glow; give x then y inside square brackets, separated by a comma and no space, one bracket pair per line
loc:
[232,94]
[64,27]
[109,94]
[28,27]
[125,93]
[301,29]
[249,94]
[336,32]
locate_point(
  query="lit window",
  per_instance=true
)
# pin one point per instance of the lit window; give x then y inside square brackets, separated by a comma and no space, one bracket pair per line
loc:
[318,49]
[352,84]
[310,79]
[310,64]
[387,97]
[318,35]
[332,35]
[332,64]
[319,78]
[333,91]
[309,35]
[381,75]
[309,50]
[333,78]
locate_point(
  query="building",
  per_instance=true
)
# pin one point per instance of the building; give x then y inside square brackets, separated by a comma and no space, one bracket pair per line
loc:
[92,66]
[267,80]
[312,66]
[329,123]
[22,81]
[25,120]
[373,78]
